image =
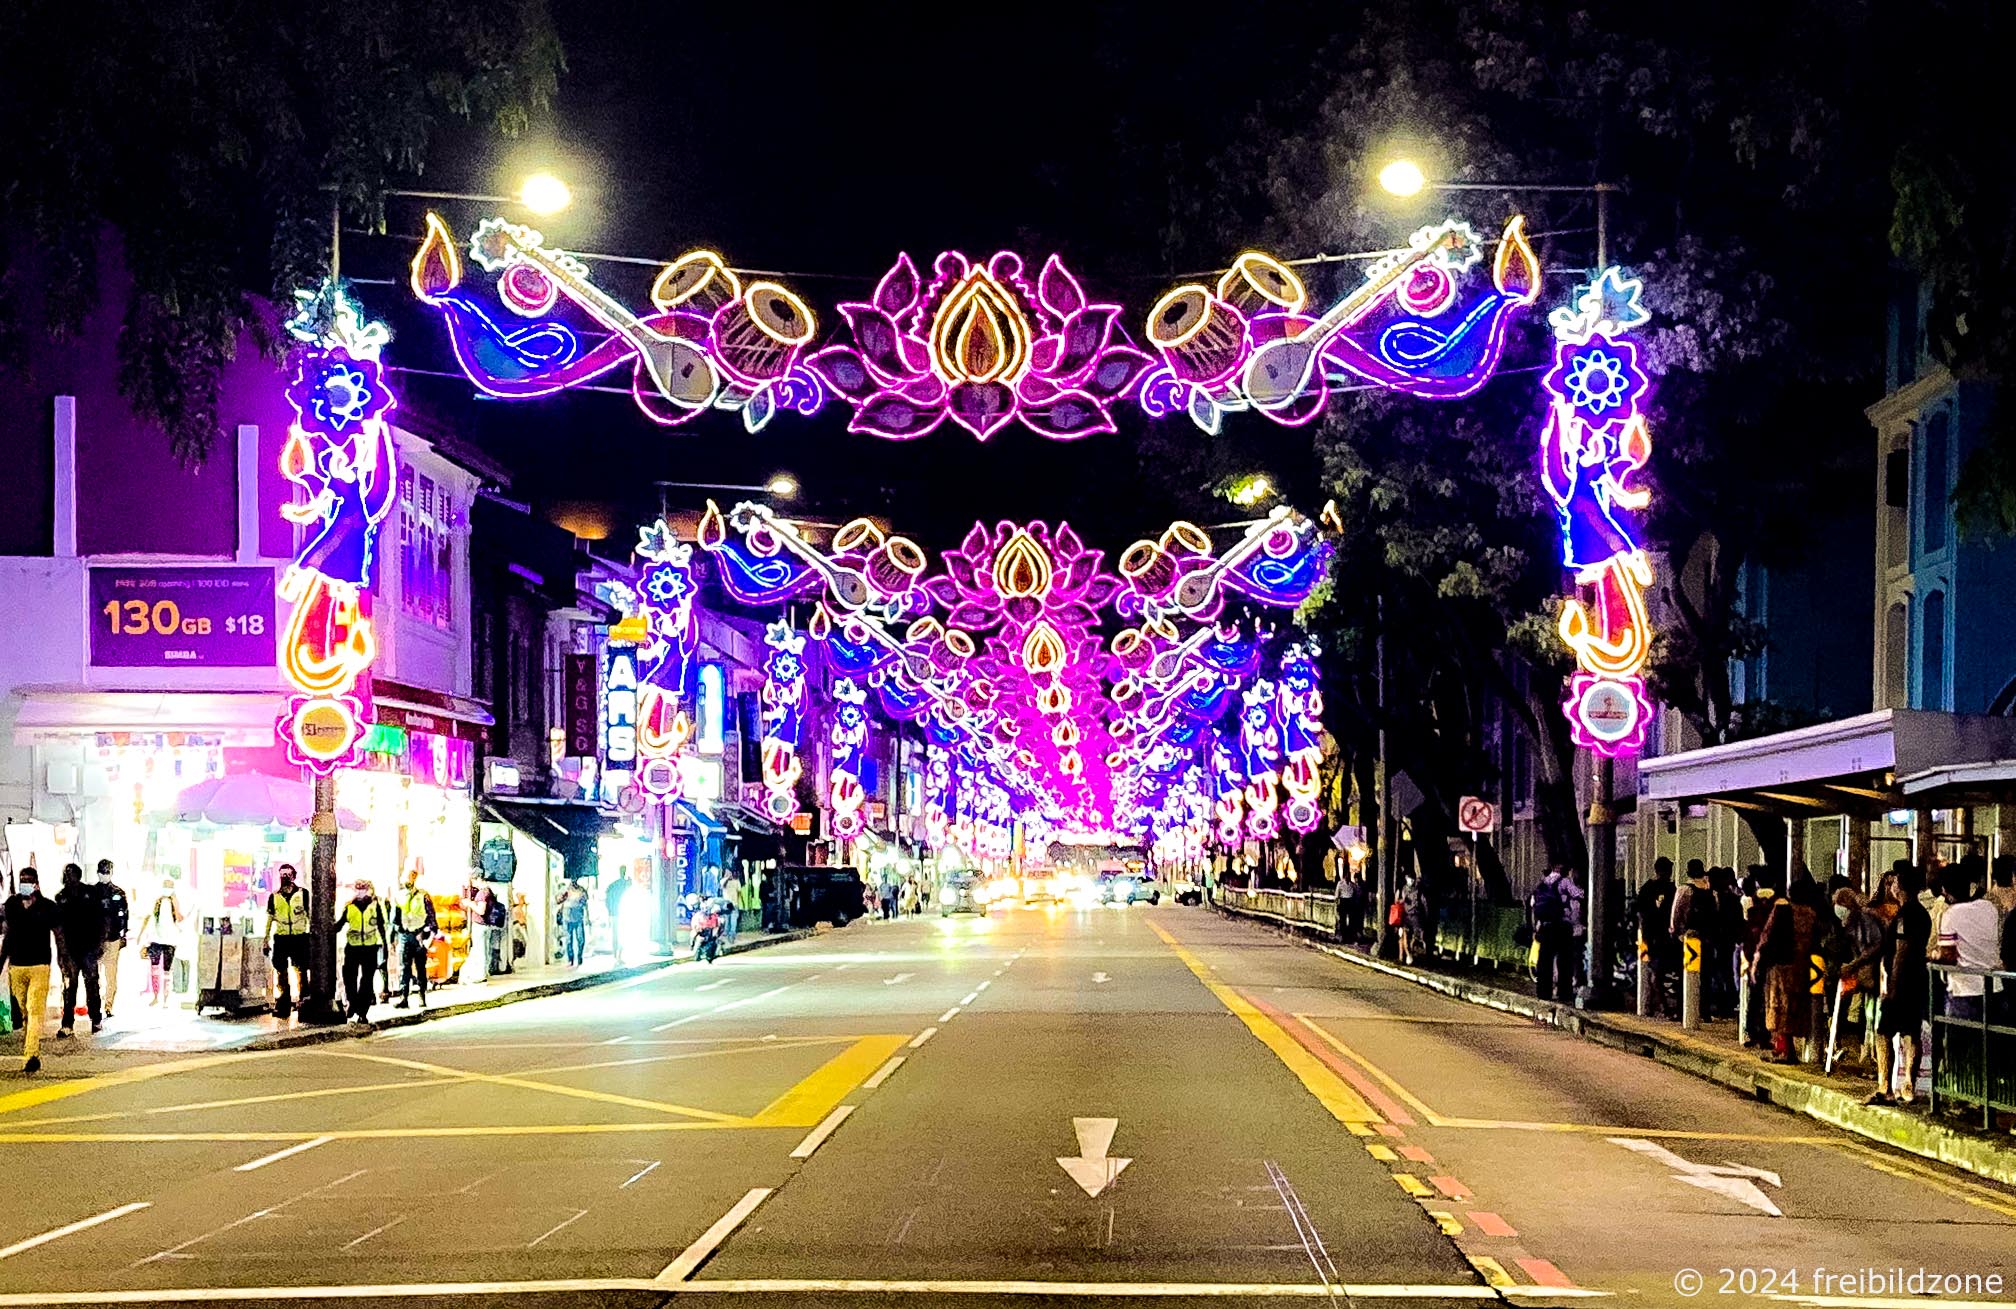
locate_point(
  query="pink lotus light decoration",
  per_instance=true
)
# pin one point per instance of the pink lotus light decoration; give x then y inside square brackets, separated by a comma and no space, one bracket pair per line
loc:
[977,344]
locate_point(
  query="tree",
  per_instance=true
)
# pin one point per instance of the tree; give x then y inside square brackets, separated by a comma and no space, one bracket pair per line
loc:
[211,139]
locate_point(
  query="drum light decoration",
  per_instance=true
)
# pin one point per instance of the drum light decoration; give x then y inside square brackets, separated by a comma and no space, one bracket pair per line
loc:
[1260,760]
[783,713]
[1593,446]
[978,345]
[339,452]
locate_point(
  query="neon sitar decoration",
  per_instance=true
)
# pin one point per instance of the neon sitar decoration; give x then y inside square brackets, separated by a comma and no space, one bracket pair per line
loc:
[710,341]
[979,345]
[1416,325]
[339,452]
[1593,446]
[783,715]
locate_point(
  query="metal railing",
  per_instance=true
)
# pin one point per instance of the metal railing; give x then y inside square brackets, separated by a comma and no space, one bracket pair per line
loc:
[1310,908]
[1974,1040]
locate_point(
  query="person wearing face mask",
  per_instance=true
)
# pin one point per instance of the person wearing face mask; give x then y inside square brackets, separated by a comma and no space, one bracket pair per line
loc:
[27,944]
[1856,945]
[118,925]
[364,936]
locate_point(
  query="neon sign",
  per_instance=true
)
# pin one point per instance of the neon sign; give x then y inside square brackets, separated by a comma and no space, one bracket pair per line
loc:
[783,702]
[664,599]
[847,737]
[1298,708]
[339,452]
[1594,445]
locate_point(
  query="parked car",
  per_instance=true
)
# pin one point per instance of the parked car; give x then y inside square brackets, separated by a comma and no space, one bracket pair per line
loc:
[821,894]
[962,893]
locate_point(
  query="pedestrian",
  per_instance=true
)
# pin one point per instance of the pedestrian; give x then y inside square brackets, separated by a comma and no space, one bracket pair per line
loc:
[1350,907]
[1722,957]
[161,932]
[1787,942]
[413,925]
[80,925]
[118,924]
[923,893]
[27,943]
[1969,938]
[619,891]
[1554,970]
[1575,901]
[477,905]
[1413,922]
[1693,913]
[363,938]
[1654,908]
[1885,902]
[1905,990]
[731,908]
[2002,892]
[907,901]
[287,939]
[573,918]
[1760,897]
[1856,944]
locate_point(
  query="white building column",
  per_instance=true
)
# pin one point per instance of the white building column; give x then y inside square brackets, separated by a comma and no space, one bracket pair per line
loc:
[248,493]
[64,430]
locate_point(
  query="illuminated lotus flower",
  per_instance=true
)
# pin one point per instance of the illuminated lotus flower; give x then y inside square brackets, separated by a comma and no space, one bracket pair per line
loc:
[978,345]
[335,394]
[1599,377]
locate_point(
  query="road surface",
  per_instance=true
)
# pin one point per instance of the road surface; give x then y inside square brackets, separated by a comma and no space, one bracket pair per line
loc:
[1027,1109]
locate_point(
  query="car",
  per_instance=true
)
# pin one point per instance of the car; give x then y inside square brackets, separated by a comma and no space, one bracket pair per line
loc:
[809,894]
[1187,890]
[962,893]
[1126,888]
[1038,887]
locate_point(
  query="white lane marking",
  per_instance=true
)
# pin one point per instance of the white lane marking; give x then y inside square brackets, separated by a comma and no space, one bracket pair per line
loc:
[721,1008]
[949,1014]
[616,1040]
[640,1174]
[351,1245]
[714,985]
[707,1242]
[278,1155]
[1732,1180]
[983,986]
[68,1229]
[1099,978]
[881,1075]
[841,968]
[922,1037]
[971,996]
[900,977]
[841,1286]
[817,1136]
[1092,1169]
[175,1251]
[579,1214]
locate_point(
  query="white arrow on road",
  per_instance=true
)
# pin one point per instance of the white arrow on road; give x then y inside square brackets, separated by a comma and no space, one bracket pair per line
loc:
[1100,977]
[1736,1181]
[900,977]
[1092,1169]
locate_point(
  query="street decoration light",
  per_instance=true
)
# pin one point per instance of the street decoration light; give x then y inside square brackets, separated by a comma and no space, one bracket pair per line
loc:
[660,619]
[783,715]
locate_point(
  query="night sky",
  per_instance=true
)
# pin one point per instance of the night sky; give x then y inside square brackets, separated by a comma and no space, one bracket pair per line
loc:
[820,146]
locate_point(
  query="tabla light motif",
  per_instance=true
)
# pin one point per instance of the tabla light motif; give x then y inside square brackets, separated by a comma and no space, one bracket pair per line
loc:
[339,451]
[1594,444]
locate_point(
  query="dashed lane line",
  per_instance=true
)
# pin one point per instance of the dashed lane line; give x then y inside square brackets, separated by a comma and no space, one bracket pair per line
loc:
[278,1155]
[709,1241]
[69,1229]
[881,1075]
[817,1136]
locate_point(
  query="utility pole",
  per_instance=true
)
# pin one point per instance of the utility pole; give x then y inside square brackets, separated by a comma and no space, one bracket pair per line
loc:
[1602,820]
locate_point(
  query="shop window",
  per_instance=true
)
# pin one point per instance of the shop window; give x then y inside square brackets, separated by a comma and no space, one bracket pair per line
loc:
[1896,505]
[1932,668]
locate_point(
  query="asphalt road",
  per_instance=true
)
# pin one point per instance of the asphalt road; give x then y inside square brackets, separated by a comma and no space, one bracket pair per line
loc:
[1024,1110]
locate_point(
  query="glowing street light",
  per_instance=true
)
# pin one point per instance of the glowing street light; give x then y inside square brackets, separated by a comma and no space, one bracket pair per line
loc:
[544,194]
[1403,177]
[783,486]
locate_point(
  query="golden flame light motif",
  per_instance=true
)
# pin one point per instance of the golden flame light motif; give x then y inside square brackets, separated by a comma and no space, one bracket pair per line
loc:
[981,333]
[1042,650]
[1022,569]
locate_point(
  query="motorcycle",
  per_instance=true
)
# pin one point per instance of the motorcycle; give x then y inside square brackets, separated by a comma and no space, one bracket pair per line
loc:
[707,935]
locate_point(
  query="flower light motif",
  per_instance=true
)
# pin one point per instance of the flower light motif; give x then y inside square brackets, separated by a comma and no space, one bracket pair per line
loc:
[848,761]
[1600,378]
[979,345]
[783,714]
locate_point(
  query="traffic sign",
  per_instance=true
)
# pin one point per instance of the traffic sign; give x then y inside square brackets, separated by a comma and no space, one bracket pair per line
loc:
[1476,815]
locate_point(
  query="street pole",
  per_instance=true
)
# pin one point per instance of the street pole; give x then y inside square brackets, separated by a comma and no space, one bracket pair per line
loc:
[318,999]
[1382,849]
[1602,822]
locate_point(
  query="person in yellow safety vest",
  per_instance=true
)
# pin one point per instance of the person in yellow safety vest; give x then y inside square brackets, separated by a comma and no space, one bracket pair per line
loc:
[413,925]
[287,938]
[363,932]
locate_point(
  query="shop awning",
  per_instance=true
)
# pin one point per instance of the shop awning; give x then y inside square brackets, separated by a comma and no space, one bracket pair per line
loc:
[419,709]
[240,717]
[1866,764]
[253,800]
[566,827]
[745,820]
[700,817]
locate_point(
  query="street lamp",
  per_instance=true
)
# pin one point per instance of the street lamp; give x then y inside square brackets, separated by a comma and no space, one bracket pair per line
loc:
[543,193]
[781,486]
[1403,177]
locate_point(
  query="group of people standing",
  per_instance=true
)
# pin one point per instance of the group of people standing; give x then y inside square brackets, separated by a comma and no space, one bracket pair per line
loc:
[893,894]
[1760,938]
[81,932]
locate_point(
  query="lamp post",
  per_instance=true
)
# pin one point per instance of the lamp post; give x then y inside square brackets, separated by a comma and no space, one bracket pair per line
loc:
[1403,177]
[781,486]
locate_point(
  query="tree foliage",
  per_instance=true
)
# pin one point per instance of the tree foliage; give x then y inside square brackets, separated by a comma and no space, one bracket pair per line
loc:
[211,138]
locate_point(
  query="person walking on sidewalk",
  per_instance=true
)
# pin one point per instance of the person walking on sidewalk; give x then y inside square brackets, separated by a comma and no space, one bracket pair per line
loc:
[1656,936]
[363,926]
[161,932]
[574,923]
[731,908]
[1554,968]
[80,919]
[1856,944]
[1786,944]
[118,924]
[619,891]
[414,925]
[1906,985]
[287,938]
[27,943]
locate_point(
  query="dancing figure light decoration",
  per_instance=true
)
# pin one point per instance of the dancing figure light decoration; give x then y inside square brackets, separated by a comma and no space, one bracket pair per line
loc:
[1593,446]
[664,598]
[338,450]
[783,713]
[979,345]
[1298,710]
[710,341]
[1260,759]
[1413,325]
[848,761]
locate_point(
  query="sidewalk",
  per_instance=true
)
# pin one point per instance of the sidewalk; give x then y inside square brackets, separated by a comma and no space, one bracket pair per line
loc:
[182,1031]
[1713,1052]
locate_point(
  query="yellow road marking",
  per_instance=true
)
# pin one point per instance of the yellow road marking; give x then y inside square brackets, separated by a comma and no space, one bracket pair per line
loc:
[49,1091]
[1407,1097]
[1446,1221]
[808,1103]
[1491,1270]
[1414,1186]
[551,1088]
[748,1047]
[1955,1188]
[1332,1091]
[370,1133]
[1383,1153]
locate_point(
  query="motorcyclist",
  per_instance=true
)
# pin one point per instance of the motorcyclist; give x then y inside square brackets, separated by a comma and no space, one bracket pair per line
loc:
[707,929]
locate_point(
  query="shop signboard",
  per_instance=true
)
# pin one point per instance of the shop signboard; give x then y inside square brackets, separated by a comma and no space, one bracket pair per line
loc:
[582,706]
[619,710]
[178,617]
